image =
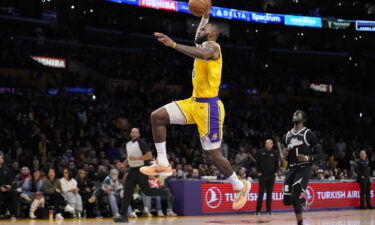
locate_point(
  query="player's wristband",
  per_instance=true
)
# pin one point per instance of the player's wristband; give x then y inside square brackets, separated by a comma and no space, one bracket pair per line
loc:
[206,17]
[307,158]
[174,45]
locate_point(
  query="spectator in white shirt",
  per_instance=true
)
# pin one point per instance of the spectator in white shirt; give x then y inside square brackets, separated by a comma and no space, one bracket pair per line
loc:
[71,192]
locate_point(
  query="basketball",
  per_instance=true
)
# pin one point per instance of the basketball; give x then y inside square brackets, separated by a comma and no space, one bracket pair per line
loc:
[200,7]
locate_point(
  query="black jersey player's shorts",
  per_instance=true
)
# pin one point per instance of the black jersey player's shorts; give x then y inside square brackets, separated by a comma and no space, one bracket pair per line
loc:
[296,175]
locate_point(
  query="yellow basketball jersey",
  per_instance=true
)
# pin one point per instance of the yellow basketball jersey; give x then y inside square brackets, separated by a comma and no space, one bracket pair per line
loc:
[207,77]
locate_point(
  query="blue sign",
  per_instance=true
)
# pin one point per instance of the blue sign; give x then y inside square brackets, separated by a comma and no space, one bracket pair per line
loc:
[230,14]
[183,7]
[129,2]
[303,21]
[266,18]
[79,90]
[362,25]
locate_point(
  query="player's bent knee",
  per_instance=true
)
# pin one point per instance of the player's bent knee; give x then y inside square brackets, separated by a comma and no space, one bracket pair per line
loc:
[296,192]
[159,117]
[214,154]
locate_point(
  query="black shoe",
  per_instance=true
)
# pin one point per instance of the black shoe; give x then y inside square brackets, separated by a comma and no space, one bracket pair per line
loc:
[370,207]
[257,213]
[362,207]
[269,213]
[121,219]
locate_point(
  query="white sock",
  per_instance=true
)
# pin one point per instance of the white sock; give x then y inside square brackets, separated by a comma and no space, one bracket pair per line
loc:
[162,154]
[236,183]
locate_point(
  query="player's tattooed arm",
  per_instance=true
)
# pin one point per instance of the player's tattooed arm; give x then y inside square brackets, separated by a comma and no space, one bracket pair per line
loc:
[209,51]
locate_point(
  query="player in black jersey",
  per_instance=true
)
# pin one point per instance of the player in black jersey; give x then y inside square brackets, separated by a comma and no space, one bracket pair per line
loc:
[301,148]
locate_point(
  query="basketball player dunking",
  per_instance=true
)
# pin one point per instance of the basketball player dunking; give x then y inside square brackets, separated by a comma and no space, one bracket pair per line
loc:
[204,109]
[301,148]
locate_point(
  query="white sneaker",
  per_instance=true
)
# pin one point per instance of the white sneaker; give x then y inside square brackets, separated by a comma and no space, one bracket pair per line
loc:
[160,213]
[133,215]
[68,208]
[117,215]
[59,216]
[32,216]
[171,213]
[146,213]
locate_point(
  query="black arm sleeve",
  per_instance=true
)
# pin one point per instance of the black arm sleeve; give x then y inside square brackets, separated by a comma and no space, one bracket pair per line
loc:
[318,153]
[144,147]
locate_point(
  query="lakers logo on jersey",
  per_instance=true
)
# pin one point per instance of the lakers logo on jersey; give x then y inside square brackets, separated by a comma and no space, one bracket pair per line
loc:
[214,137]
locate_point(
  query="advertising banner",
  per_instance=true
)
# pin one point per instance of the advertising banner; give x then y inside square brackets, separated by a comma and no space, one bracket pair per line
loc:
[322,87]
[362,25]
[266,18]
[219,197]
[303,21]
[129,2]
[337,24]
[50,62]
[159,4]
[230,14]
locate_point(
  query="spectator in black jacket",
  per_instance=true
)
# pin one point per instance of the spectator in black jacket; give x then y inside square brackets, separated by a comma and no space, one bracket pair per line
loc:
[86,189]
[267,164]
[8,196]
[363,179]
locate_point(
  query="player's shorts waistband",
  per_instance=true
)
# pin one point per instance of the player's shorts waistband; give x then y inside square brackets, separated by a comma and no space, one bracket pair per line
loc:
[208,100]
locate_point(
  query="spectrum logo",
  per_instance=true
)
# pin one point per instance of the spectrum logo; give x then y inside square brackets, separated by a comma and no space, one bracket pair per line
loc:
[213,197]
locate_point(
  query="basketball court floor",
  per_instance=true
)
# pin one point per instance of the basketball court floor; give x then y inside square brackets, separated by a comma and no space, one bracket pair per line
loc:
[344,217]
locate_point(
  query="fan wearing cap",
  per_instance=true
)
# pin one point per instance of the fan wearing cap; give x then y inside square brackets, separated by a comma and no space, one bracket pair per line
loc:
[301,148]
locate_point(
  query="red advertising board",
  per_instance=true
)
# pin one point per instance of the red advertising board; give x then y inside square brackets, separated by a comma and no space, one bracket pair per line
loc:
[219,197]
[159,4]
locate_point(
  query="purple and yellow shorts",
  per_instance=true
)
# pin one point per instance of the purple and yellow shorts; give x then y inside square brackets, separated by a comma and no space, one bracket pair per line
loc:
[208,114]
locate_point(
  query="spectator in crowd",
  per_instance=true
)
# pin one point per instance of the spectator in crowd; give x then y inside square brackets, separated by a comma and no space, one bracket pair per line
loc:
[158,183]
[113,191]
[70,191]
[68,156]
[21,177]
[52,191]
[86,190]
[25,172]
[32,193]
[320,174]
[195,174]
[8,196]
[241,156]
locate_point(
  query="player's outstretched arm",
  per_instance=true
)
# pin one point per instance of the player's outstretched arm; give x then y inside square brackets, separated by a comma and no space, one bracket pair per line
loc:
[208,51]
[203,23]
